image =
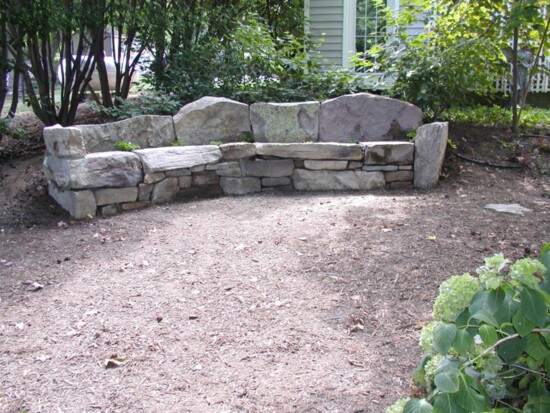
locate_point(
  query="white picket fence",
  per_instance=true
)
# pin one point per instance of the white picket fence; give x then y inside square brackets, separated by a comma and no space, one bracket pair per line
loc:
[539,84]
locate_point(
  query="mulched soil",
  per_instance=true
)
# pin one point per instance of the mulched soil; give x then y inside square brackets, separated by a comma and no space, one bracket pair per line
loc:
[308,302]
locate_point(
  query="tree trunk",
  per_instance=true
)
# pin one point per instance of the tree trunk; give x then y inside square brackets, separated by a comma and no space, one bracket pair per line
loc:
[515,119]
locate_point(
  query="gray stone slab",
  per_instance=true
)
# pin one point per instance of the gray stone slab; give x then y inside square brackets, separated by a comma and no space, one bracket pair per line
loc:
[64,142]
[515,209]
[115,195]
[184,182]
[381,168]
[165,191]
[178,172]
[343,180]
[226,168]
[147,131]
[383,153]
[326,165]
[212,119]
[363,117]
[80,204]
[430,144]
[355,165]
[281,181]
[205,178]
[240,186]
[96,170]
[285,122]
[172,158]
[144,192]
[311,151]
[399,176]
[237,151]
[267,168]
[153,178]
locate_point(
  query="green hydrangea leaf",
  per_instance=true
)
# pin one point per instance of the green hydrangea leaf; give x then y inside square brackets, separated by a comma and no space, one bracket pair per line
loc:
[446,403]
[418,406]
[533,306]
[446,376]
[444,335]
[468,397]
[536,348]
[521,324]
[488,334]
[463,342]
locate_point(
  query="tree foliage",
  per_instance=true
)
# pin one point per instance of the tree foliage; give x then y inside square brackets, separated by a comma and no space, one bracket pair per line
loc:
[461,53]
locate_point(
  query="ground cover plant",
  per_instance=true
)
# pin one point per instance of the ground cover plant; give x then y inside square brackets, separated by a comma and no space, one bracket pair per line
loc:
[488,348]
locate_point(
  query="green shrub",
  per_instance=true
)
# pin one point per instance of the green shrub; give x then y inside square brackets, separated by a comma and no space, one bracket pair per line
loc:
[148,103]
[531,118]
[249,65]
[125,146]
[7,128]
[489,346]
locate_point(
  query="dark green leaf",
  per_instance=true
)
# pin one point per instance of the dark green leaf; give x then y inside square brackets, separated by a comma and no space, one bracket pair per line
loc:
[463,342]
[418,406]
[536,348]
[445,403]
[487,301]
[467,397]
[510,350]
[521,324]
[485,317]
[538,404]
[507,309]
[537,388]
[533,306]
[488,334]
[446,376]
[547,364]
[444,335]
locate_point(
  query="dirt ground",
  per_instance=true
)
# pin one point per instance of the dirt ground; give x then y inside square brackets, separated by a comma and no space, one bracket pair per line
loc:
[306,302]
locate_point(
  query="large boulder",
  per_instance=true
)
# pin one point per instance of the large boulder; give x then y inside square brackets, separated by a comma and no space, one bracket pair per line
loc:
[148,131]
[363,117]
[64,142]
[212,119]
[96,170]
[285,122]
[430,144]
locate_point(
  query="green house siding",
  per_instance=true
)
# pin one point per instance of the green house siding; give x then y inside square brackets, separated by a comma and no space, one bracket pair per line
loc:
[326,21]
[333,21]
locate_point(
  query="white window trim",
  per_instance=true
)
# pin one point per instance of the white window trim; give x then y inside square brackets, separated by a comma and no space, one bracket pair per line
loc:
[348,35]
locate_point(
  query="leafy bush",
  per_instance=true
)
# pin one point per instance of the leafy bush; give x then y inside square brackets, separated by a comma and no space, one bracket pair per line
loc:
[125,146]
[489,346]
[532,118]
[147,103]
[7,128]
[249,65]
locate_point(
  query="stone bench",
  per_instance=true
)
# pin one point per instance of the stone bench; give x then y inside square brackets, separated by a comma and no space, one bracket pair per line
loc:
[87,177]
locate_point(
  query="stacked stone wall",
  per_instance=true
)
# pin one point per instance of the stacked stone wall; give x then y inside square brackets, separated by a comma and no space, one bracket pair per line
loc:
[89,182]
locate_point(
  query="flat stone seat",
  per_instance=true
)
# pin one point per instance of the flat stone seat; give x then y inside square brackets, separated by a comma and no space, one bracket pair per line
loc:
[171,158]
[337,151]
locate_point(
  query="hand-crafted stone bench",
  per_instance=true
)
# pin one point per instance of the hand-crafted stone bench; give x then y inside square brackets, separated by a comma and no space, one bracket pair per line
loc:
[87,177]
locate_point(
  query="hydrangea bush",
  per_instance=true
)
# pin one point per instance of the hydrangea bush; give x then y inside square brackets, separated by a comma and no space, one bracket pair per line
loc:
[488,348]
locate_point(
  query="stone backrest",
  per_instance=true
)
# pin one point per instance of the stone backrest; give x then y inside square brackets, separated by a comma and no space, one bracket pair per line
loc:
[361,117]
